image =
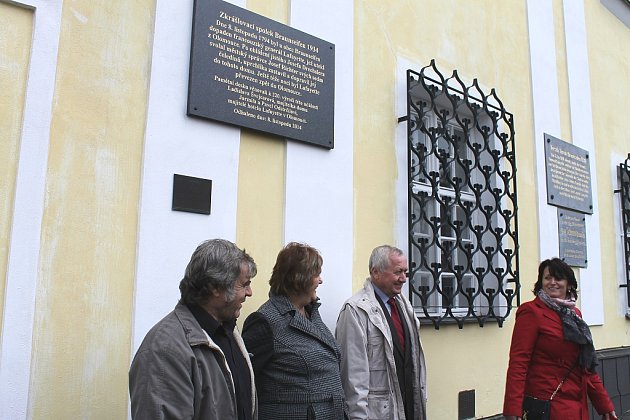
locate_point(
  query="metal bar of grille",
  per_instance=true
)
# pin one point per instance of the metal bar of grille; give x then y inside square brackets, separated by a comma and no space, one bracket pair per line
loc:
[462,201]
[624,178]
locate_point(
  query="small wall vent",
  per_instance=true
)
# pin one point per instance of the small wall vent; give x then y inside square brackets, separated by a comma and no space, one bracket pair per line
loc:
[466,405]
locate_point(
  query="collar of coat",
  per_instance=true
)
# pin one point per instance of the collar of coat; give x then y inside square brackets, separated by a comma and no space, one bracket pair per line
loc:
[314,326]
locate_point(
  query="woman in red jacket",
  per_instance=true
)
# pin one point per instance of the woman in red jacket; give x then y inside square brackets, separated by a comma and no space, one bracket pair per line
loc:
[550,341]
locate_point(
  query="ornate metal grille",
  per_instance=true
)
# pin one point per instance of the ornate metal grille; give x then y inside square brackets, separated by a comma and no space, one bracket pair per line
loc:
[624,189]
[462,207]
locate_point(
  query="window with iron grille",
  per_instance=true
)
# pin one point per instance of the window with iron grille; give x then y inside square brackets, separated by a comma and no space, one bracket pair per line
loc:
[624,189]
[462,207]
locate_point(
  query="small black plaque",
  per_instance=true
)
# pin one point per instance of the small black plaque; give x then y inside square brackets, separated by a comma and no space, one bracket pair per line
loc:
[568,176]
[191,194]
[466,405]
[572,238]
[251,71]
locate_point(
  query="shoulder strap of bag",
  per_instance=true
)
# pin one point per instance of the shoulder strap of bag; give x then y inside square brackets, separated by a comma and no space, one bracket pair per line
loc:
[563,379]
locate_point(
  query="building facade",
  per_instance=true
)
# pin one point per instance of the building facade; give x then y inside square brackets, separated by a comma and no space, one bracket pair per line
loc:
[94,127]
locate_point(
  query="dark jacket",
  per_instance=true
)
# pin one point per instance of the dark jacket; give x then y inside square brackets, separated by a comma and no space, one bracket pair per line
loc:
[180,373]
[539,358]
[296,363]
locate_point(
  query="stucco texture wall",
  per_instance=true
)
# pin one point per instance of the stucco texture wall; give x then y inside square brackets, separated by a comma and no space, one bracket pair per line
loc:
[609,61]
[15,45]
[82,330]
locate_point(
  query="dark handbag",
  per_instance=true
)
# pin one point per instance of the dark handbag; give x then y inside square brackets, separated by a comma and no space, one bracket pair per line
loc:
[536,409]
[539,409]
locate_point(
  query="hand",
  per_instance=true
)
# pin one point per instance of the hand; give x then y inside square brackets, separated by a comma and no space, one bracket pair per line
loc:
[610,416]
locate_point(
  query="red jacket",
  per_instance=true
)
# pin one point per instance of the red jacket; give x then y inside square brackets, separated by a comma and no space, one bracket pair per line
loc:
[540,358]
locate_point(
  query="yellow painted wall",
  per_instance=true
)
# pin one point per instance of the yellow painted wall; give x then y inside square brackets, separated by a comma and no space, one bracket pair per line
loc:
[260,214]
[609,61]
[82,331]
[487,40]
[385,30]
[16,27]
[261,188]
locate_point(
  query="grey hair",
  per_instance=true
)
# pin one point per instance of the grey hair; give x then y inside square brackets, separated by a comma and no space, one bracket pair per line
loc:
[380,257]
[215,265]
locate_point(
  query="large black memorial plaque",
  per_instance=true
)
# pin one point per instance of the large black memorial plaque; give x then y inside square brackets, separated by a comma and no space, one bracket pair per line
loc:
[254,72]
[568,176]
[572,237]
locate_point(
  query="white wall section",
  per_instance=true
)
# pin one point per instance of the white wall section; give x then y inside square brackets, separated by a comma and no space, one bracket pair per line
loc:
[176,143]
[542,49]
[591,296]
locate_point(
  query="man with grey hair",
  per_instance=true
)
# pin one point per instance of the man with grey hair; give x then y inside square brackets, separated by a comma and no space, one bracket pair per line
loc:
[382,364]
[193,363]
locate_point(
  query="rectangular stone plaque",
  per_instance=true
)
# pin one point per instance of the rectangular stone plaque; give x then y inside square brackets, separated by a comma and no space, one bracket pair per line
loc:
[568,176]
[572,238]
[251,71]
[191,194]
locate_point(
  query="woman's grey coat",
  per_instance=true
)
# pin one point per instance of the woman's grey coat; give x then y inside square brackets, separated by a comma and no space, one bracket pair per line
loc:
[296,363]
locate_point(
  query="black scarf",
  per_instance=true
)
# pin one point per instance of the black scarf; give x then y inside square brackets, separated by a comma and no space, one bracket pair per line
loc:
[574,329]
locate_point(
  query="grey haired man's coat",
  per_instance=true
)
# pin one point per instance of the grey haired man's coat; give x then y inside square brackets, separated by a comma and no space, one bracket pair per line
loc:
[180,373]
[368,368]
